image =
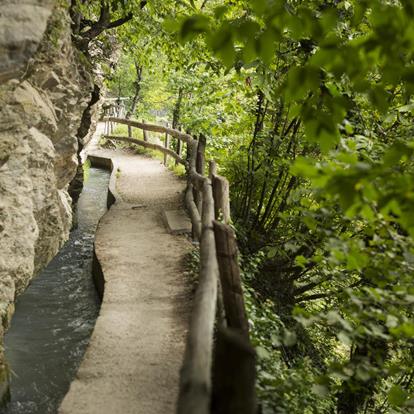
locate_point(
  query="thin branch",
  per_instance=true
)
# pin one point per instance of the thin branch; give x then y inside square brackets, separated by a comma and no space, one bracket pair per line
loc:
[120,21]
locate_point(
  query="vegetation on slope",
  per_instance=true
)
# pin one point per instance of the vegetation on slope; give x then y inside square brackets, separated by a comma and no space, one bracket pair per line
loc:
[308,109]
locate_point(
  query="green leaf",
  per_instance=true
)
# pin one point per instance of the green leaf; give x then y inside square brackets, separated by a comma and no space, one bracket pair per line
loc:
[320,390]
[193,25]
[397,396]
[344,338]
[301,261]
[262,353]
[289,338]
[266,44]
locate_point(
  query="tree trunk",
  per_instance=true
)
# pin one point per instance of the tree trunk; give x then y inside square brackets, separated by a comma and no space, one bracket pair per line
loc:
[176,118]
[137,85]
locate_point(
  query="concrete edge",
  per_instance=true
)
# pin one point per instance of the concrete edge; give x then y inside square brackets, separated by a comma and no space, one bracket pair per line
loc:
[98,275]
[107,164]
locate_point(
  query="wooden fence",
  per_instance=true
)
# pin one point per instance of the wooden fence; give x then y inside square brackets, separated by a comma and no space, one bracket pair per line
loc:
[218,371]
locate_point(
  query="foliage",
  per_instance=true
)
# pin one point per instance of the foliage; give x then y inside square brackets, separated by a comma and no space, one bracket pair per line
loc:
[307,106]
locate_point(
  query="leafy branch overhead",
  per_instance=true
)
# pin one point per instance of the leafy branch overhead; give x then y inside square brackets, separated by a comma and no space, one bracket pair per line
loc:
[111,14]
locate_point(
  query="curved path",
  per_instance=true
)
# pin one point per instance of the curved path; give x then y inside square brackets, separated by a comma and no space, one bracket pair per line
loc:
[133,360]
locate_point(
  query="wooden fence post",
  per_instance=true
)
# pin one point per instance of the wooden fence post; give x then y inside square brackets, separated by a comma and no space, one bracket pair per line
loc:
[221,194]
[200,162]
[233,351]
[227,254]
[234,374]
[178,146]
[200,167]
[166,146]
[129,131]
[144,132]
[195,379]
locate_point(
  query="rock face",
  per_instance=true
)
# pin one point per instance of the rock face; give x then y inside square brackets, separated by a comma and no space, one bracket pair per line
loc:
[45,86]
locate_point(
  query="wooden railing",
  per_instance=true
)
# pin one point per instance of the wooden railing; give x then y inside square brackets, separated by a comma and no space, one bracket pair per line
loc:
[218,371]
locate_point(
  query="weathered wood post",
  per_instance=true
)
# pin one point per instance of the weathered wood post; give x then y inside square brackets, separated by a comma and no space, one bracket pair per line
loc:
[221,316]
[234,374]
[129,131]
[191,190]
[227,254]
[166,146]
[200,167]
[179,146]
[233,352]
[200,160]
[111,124]
[221,194]
[144,132]
[188,148]
[195,378]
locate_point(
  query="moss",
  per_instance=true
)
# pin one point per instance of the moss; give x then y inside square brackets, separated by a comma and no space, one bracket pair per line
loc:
[4,385]
[56,26]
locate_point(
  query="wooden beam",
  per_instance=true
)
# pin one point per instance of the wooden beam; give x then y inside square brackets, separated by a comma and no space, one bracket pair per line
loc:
[144,132]
[200,166]
[195,379]
[221,193]
[227,254]
[147,145]
[179,146]
[234,374]
[201,149]
[166,146]
[152,127]
[194,214]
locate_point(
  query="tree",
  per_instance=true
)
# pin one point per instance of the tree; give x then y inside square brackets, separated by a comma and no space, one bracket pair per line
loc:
[343,91]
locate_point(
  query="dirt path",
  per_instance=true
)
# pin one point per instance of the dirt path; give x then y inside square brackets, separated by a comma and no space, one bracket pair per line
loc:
[133,360]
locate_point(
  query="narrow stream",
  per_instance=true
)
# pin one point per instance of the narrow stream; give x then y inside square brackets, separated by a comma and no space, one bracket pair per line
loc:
[55,317]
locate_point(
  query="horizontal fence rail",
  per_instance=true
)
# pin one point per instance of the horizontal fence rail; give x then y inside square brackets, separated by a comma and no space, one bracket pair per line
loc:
[218,370]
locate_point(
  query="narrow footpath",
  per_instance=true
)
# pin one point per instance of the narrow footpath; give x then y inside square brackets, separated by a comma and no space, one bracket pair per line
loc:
[133,360]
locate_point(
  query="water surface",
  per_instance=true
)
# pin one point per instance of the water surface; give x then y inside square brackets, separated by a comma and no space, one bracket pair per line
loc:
[55,317]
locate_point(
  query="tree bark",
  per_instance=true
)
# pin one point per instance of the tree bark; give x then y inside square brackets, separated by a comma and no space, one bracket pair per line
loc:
[137,84]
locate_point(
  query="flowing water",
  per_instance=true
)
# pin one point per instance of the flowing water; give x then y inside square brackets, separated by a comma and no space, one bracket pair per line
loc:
[55,317]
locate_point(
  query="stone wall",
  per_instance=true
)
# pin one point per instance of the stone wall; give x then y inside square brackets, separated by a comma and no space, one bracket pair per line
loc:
[45,86]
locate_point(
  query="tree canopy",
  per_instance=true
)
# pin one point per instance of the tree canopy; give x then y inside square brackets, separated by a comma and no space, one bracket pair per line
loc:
[308,107]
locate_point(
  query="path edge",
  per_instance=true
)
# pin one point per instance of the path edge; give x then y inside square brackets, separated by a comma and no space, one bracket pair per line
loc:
[112,197]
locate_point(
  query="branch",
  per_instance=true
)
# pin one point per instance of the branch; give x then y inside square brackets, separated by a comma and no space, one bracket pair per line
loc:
[315,296]
[309,286]
[119,22]
[326,295]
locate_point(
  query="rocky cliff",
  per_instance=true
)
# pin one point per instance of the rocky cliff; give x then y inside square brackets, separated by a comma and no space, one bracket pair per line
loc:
[45,87]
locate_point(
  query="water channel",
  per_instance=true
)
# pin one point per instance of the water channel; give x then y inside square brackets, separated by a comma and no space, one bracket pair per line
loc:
[55,317]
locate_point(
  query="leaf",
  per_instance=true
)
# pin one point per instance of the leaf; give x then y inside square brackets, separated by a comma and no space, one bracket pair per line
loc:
[320,390]
[397,396]
[304,167]
[344,338]
[262,353]
[301,261]
[193,25]
[266,45]
[289,338]
[407,108]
